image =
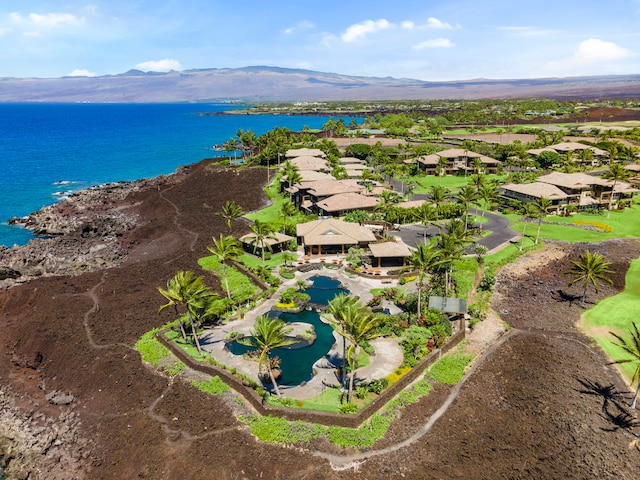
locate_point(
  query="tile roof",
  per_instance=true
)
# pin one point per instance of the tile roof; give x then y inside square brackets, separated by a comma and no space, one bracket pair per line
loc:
[389,249]
[537,190]
[333,232]
[347,201]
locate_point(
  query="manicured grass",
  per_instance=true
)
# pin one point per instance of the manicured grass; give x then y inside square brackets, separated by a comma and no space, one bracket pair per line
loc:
[510,253]
[624,224]
[254,261]
[151,349]
[240,286]
[425,182]
[616,314]
[464,273]
[271,214]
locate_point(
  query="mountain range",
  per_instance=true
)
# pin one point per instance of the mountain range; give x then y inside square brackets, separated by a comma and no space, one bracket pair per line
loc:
[281,84]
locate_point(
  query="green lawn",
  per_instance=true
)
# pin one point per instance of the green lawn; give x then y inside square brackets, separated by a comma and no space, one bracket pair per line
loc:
[616,314]
[452,182]
[624,224]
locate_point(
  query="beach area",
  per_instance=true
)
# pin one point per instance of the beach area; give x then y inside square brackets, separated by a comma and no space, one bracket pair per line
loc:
[77,402]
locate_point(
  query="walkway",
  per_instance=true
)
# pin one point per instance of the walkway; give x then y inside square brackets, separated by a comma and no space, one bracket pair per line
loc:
[388,357]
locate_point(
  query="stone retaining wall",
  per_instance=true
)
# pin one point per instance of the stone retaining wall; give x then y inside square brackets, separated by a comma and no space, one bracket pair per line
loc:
[323,418]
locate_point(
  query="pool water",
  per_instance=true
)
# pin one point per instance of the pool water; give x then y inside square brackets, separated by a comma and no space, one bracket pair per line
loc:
[296,362]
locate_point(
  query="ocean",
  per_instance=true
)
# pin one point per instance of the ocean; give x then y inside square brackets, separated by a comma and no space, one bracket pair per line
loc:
[50,150]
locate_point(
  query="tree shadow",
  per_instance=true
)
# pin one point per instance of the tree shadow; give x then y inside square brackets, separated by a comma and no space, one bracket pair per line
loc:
[562,296]
[614,407]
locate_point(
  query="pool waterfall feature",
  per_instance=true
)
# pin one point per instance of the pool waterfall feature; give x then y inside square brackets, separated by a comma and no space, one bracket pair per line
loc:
[296,361]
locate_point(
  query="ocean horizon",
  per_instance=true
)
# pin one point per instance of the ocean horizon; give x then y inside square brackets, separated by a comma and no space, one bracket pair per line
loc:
[48,151]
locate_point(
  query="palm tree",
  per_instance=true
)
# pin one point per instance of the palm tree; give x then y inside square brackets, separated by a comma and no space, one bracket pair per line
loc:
[356,325]
[616,172]
[287,210]
[184,288]
[337,307]
[260,233]
[439,195]
[226,248]
[489,194]
[632,347]
[542,206]
[177,293]
[426,214]
[466,196]
[292,173]
[424,258]
[267,334]
[451,247]
[386,200]
[230,210]
[590,268]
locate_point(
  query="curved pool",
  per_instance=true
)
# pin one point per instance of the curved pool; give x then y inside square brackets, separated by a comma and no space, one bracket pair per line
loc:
[296,360]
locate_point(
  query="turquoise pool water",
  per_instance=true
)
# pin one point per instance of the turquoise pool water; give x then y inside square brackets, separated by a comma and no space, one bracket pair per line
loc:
[296,361]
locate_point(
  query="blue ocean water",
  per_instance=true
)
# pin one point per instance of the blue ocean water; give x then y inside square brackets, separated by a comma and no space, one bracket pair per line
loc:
[48,150]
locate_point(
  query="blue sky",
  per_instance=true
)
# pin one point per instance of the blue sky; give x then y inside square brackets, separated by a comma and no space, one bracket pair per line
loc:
[422,39]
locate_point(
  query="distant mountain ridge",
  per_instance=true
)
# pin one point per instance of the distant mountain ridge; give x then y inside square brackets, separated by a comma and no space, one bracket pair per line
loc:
[261,83]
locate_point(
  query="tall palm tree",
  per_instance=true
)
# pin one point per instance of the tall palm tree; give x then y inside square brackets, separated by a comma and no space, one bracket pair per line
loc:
[590,268]
[632,347]
[287,210]
[292,173]
[386,200]
[260,233]
[177,293]
[230,210]
[488,193]
[424,259]
[337,308]
[466,196]
[451,247]
[225,248]
[267,334]
[542,207]
[426,214]
[356,325]
[439,195]
[616,172]
[184,288]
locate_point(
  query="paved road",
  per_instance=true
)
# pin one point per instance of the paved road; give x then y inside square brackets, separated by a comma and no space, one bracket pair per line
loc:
[414,234]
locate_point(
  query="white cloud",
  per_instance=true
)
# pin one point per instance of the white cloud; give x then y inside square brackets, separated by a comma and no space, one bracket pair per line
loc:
[434,43]
[591,53]
[438,24]
[359,30]
[595,50]
[408,25]
[55,19]
[164,65]
[302,25]
[81,73]
[47,19]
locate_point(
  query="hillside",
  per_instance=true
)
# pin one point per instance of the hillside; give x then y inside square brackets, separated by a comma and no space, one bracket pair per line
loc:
[281,84]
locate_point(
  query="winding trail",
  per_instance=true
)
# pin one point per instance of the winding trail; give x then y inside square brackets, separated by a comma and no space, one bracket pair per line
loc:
[176,222]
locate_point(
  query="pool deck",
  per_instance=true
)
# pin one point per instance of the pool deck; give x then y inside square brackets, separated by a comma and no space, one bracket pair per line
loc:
[388,353]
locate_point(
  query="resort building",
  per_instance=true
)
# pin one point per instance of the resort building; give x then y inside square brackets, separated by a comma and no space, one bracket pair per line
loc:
[456,161]
[576,151]
[332,236]
[579,189]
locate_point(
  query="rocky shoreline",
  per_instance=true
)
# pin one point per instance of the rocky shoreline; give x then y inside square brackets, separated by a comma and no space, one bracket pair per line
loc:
[81,233]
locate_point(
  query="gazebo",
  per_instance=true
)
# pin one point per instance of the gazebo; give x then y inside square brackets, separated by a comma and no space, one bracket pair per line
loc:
[276,244]
[397,251]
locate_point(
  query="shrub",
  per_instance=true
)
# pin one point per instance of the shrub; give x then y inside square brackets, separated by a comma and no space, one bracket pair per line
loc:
[151,349]
[175,368]
[214,386]
[487,282]
[450,368]
[377,386]
[348,408]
